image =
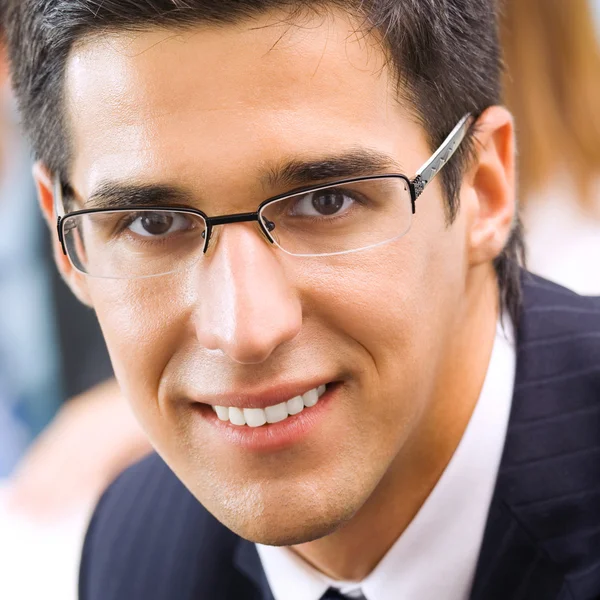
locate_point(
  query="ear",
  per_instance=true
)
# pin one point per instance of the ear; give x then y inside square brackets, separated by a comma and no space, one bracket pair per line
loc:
[4,70]
[45,189]
[492,193]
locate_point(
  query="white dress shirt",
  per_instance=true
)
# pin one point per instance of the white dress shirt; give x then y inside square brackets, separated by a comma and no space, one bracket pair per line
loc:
[437,554]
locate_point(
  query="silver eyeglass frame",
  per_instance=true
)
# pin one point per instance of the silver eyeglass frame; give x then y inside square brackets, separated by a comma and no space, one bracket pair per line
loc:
[417,186]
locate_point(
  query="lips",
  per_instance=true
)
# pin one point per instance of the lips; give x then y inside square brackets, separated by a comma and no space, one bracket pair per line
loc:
[258,417]
[261,398]
[281,433]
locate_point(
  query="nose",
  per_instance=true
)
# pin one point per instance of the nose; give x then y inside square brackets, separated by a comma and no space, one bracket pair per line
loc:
[246,306]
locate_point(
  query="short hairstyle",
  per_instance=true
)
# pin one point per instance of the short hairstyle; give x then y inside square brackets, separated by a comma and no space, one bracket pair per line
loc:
[3,10]
[446,55]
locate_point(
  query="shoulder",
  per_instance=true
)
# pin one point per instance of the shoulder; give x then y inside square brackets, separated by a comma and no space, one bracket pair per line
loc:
[558,340]
[549,475]
[558,362]
[150,538]
[542,297]
[558,358]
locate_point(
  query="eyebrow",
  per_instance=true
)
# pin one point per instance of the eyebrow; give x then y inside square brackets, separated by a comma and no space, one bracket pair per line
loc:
[113,195]
[289,175]
[354,163]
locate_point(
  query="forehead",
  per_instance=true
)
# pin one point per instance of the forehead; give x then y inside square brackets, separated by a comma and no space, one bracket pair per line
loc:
[202,101]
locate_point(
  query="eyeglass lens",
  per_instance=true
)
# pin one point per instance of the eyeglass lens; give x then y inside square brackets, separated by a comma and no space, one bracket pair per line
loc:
[334,219]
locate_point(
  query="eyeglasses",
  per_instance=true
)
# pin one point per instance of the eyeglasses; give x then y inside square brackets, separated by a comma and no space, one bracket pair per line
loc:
[338,218]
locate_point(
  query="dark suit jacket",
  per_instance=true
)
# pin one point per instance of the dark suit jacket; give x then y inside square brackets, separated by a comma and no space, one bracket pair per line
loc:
[150,539]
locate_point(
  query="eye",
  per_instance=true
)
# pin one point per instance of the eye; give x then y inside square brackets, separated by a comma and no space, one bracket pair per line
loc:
[155,224]
[324,203]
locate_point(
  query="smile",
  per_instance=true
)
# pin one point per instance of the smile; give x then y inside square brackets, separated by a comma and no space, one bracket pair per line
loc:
[258,417]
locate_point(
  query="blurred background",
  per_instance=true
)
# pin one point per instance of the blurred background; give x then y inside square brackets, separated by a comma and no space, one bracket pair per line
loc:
[552,87]
[65,431]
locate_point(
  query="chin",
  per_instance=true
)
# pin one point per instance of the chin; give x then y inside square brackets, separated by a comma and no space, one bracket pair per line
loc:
[288,533]
[285,521]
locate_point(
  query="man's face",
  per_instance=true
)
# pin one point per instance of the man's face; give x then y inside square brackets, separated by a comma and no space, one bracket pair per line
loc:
[216,112]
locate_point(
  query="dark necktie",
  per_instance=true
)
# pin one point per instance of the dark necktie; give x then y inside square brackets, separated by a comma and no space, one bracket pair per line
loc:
[333,594]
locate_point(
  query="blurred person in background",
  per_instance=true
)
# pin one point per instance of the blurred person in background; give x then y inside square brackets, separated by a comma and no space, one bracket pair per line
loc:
[29,363]
[15,433]
[553,90]
[55,455]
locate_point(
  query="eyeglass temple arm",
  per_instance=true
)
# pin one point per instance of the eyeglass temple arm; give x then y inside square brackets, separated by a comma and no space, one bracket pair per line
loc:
[59,210]
[59,207]
[441,156]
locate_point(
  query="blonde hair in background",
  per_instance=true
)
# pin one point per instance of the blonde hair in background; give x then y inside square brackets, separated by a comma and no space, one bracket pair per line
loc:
[552,86]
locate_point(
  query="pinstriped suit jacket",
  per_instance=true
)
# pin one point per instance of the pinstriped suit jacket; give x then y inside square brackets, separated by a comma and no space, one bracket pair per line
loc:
[149,539]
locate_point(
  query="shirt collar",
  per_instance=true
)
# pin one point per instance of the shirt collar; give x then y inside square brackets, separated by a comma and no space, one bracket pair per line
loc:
[437,554]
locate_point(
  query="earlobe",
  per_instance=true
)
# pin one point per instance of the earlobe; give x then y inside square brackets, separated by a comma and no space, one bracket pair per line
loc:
[45,190]
[492,179]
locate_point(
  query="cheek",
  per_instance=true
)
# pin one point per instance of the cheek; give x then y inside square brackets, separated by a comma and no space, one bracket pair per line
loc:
[396,304]
[142,323]
[392,296]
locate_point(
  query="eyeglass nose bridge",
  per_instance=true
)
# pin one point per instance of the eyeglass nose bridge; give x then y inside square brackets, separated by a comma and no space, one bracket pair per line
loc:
[266,226]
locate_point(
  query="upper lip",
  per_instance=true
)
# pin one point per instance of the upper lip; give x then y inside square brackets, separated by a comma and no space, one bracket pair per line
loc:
[269,397]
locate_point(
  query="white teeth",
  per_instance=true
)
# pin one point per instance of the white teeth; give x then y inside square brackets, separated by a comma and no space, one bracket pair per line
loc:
[276,414]
[236,416]
[222,413]
[295,406]
[310,398]
[257,417]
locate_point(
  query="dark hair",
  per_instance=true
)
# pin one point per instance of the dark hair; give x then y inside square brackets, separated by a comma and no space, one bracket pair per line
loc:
[446,54]
[3,10]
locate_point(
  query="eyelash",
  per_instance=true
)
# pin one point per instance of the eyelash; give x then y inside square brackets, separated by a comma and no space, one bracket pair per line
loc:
[123,223]
[355,196]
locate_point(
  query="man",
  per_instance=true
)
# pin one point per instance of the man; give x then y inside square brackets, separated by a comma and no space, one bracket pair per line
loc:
[318,335]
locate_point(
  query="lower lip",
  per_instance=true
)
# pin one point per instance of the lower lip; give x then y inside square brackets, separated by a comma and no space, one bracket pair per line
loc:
[275,436]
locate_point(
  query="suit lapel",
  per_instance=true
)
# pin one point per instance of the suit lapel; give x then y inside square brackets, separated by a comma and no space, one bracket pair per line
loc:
[511,564]
[543,505]
[247,561]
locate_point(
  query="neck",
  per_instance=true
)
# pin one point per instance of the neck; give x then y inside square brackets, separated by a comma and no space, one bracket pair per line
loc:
[354,550]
